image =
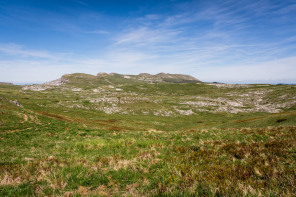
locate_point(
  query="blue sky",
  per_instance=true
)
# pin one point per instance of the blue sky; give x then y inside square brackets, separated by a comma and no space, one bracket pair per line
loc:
[246,41]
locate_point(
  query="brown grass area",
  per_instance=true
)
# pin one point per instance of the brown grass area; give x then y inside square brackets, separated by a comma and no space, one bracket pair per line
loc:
[6,107]
[55,116]
[250,168]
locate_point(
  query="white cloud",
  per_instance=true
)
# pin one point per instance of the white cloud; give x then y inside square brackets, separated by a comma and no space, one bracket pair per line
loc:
[144,36]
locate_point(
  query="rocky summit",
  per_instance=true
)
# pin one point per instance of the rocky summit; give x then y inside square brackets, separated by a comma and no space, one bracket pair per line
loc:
[158,78]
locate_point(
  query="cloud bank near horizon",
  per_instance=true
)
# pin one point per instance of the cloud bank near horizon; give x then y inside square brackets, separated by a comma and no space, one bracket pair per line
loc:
[229,41]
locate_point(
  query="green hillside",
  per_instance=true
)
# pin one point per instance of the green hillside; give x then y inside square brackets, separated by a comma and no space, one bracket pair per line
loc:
[147,135]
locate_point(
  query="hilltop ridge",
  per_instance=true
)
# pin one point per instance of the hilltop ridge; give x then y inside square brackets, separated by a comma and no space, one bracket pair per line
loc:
[88,80]
[114,78]
[158,78]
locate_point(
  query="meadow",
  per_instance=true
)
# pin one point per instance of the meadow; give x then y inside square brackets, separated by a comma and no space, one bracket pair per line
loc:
[111,138]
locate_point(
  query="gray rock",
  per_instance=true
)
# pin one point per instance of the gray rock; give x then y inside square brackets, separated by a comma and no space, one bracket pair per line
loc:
[17,103]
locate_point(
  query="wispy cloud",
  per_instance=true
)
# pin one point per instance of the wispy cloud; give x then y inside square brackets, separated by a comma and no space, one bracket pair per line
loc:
[229,34]
[81,2]
[95,32]
[20,51]
[146,36]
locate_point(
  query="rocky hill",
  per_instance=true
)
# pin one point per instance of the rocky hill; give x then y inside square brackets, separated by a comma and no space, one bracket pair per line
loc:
[82,80]
[165,94]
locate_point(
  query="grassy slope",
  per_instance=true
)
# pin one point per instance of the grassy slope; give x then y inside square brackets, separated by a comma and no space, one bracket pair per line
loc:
[49,149]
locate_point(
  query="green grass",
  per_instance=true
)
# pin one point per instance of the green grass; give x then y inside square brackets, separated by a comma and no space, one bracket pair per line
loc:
[52,148]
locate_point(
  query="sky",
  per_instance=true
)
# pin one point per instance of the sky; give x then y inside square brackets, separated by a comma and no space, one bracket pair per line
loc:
[245,41]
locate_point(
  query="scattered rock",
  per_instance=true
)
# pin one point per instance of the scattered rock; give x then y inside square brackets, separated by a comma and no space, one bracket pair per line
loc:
[17,103]
[76,89]
[222,85]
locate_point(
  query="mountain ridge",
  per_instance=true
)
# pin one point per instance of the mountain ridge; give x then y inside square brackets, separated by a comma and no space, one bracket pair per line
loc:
[87,80]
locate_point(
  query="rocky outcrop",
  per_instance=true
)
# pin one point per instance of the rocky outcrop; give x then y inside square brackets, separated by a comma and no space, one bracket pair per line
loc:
[145,75]
[47,85]
[17,103]
[57,82]
[102,74]
[175,76]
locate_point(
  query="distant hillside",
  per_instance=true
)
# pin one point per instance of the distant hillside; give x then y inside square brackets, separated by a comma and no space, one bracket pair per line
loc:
[5,83]
[114,78]
[82,80]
